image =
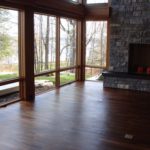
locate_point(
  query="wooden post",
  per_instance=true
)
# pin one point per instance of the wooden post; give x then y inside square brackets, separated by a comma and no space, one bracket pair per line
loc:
[57,52]
[83,51]
[27,54]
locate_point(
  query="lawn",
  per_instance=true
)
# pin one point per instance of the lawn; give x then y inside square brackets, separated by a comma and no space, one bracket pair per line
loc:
[7,76]
[64,78]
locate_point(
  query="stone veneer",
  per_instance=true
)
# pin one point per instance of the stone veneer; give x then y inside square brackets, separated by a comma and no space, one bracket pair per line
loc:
[130,23]
[127,83]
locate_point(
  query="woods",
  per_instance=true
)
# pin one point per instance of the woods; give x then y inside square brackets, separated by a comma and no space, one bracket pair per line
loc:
[4,37]
[9,60]
[96,43]
[45,43]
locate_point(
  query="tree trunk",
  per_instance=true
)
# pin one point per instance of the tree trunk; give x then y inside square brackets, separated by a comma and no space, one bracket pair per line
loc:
[47,44]
[73,45]
[41,45]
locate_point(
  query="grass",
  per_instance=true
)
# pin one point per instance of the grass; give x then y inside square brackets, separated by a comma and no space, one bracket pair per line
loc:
[64,78]
[8,76]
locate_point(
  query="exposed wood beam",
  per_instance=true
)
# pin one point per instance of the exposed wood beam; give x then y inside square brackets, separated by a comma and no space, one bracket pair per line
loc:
[61,7]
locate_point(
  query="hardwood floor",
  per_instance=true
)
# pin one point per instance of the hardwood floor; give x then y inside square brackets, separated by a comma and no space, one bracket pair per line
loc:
[80,116]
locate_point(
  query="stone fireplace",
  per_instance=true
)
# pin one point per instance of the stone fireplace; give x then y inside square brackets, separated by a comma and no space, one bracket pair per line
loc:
[129,45]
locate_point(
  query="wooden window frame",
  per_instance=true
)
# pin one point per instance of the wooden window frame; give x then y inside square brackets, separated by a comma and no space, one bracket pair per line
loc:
[26,28]
[19,78]
[57,69]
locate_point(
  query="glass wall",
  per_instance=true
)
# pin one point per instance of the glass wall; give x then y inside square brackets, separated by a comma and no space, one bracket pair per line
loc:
[96,46]
[9,55]
[47,30]
[67,42]
[45,43]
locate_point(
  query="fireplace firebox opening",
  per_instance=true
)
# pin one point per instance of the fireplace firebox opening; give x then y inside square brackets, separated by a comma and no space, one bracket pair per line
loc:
[139,59]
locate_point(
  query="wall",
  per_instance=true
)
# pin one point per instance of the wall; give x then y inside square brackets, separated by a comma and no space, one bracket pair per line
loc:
[130,23]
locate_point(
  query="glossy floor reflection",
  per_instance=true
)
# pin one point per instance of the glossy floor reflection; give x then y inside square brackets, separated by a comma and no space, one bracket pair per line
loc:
[80,116]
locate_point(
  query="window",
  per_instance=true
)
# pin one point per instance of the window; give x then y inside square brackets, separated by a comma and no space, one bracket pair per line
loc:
[45,43]
[96,45]
[9,53]
[67,42]
[50,73]
[96,1]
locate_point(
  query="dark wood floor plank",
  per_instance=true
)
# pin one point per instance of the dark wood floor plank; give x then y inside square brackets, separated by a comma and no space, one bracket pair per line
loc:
[80,116]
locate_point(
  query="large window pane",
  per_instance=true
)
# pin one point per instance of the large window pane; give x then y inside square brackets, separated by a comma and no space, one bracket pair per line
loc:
[9,59]
[96,1]
[9,92]
[96,43]
[45,83]
[67,76]
[45,42]
[67,43]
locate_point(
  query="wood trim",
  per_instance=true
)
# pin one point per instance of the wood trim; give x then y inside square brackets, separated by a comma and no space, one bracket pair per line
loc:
[73,10]
[67,68]
[78,50]
[97,12]
[10,81]
[10,5]
[57,52]
[44,73]
[55,71]
[21,53]
[89,66]
[83,49]
[69,9]
[5,104]
[108,45]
